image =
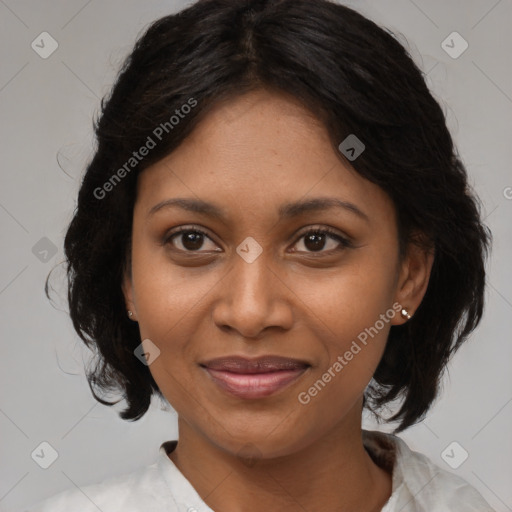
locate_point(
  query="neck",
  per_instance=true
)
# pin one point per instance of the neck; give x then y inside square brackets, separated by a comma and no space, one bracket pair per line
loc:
[333,473]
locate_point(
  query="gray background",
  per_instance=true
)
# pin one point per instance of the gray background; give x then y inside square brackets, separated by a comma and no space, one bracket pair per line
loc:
[46,108]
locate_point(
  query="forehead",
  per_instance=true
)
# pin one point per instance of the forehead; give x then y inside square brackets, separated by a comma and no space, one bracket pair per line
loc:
[255,153]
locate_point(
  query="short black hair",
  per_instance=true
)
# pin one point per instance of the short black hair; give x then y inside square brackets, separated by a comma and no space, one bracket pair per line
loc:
[353,76]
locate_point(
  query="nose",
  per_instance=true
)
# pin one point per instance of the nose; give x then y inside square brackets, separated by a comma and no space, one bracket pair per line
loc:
[253,298]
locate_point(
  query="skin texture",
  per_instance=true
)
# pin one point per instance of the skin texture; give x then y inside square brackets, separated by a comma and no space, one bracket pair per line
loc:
[249,156]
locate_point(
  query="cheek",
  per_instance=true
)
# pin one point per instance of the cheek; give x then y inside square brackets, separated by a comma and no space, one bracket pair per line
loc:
[170,302]
[350,312]
[167,296]
[350,298]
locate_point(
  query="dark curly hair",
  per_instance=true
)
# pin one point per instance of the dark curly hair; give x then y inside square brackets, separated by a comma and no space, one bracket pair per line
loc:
[357,79]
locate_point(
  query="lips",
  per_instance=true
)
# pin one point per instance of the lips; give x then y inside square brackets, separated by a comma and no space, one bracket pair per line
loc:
[254,378]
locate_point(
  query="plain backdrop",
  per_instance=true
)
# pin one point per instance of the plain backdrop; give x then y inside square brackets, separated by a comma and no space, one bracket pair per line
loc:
[46,111]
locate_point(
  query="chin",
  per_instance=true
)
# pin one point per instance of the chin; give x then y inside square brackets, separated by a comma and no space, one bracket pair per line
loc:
[265,440]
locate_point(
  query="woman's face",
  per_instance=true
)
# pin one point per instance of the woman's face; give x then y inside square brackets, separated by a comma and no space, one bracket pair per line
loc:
[255,174]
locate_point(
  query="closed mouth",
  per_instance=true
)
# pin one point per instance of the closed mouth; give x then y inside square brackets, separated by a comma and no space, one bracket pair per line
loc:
[254,378]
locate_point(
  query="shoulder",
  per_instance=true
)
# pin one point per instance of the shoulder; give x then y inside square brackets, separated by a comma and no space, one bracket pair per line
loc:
[143,489]
[118,493]
[419,484]
[436,488]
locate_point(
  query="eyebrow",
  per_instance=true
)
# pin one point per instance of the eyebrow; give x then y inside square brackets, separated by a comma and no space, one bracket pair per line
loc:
[319,204]
[287,210]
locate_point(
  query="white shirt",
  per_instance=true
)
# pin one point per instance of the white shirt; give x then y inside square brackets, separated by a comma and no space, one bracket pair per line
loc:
[418,486]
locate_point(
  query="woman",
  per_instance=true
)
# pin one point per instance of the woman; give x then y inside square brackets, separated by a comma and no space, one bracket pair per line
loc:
[274,233]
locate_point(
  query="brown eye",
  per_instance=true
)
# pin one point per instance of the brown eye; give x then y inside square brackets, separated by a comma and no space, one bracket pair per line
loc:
[189,240]
[317,240]
[192,241]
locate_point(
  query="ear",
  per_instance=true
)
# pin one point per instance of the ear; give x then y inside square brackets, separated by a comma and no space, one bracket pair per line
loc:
[413,278]
[127,287]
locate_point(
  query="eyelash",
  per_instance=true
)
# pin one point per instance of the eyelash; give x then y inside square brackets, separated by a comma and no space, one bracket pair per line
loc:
[344,242]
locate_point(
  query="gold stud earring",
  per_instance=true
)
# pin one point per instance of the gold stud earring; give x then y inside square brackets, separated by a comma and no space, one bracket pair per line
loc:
[405,314]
